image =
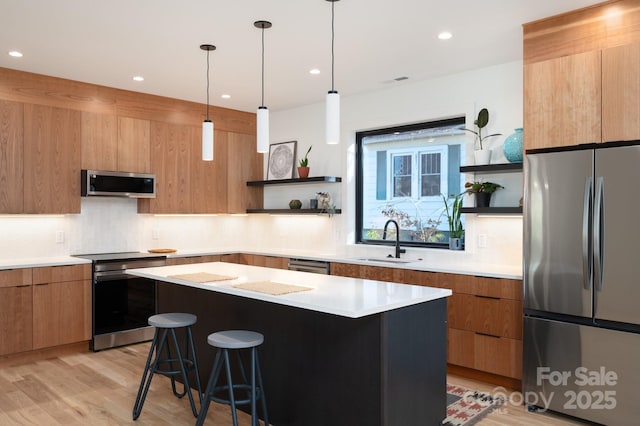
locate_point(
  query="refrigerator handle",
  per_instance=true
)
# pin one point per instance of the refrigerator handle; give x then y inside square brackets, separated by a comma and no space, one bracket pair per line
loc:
[587,271]
[598,234]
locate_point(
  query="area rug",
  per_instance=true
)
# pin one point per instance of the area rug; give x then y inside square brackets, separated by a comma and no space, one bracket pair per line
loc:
[466,407]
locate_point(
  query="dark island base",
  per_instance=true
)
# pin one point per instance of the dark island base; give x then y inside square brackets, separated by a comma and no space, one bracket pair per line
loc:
[320,369]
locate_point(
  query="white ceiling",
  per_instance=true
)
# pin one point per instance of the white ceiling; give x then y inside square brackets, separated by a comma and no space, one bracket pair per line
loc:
[107,42]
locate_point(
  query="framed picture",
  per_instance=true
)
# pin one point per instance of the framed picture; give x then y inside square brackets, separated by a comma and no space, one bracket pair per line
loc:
[282,158]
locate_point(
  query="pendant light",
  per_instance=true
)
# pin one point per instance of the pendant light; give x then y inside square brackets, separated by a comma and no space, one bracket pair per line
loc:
[333,98]
[207,124]
[262,137]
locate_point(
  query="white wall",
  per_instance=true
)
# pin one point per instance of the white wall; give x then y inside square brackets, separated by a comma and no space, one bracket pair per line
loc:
[110,224]
[498,88]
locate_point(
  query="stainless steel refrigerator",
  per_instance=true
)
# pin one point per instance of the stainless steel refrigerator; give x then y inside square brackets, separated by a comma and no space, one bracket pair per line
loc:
[582,282]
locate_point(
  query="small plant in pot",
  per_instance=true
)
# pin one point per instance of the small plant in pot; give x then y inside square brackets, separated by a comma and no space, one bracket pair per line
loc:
[454,218]
[482,156]
[303,169]
[482,191]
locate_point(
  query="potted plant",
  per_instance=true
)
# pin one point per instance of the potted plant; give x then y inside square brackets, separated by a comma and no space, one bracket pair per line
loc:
[456,230]
[482,191]
[482,156]
[303,169]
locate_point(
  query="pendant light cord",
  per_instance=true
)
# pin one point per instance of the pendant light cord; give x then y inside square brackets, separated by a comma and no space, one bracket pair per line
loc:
[207,84]
[332,42]
[262,100]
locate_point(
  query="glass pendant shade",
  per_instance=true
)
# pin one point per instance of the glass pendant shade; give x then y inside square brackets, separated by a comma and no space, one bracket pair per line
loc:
[207,140]
[263,129]
[333,118]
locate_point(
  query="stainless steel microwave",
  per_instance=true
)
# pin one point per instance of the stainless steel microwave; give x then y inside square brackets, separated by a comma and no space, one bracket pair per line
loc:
[117,184]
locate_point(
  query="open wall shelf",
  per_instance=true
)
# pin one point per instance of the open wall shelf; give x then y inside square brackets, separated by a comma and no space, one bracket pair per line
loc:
[294,211]
[315,179]
[492,168]
[489,168]
[492,210]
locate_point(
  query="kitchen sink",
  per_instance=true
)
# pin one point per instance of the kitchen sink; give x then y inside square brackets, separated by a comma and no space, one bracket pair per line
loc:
[385,260]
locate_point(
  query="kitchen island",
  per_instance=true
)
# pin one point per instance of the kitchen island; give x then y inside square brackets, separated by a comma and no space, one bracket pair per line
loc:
[343,351]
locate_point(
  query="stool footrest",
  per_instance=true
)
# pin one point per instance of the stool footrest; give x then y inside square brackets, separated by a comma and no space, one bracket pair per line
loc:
[188,366]
[242,387]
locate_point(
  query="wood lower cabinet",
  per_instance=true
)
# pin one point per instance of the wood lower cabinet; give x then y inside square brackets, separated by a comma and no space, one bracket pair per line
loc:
[192,259]
[61,305]
[240,258]
[16,326]
[266,261]
[485,353]
[484,316]
[276,262]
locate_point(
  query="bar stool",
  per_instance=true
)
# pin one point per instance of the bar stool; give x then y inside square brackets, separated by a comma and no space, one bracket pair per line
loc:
[168,323]
[235,340]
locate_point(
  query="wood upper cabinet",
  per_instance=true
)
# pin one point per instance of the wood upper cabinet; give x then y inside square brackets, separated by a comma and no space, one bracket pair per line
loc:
[134,145]
[187,184]
[61,305]
[621,90]
[243,164]
[16,326]
[562,101]
[171,146]
[209,178]
[115,143]
[11,157]
[99,141]
[52,159]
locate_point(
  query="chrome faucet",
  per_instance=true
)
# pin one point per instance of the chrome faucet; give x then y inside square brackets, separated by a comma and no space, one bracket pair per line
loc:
[384,237]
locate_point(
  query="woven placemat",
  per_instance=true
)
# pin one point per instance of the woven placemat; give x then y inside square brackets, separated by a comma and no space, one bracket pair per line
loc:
[202,277]
[271,287]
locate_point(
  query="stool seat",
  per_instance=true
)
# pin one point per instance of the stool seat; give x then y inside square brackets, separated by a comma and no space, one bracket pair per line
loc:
[235,339]
[172,320]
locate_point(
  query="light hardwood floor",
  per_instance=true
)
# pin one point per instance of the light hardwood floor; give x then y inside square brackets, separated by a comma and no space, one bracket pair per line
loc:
[100,388]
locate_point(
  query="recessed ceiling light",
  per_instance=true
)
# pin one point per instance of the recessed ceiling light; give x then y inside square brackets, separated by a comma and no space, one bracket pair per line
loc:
[138,78]
[314,71]
[15,54]
[225,96]
[445,35]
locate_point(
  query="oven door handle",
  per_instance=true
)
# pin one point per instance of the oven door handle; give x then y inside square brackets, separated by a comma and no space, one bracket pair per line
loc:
[112,276]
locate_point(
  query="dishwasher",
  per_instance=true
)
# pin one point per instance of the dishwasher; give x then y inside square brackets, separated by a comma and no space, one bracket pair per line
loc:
[315,266]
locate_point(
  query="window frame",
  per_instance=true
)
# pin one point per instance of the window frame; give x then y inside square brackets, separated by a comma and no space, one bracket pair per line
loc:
[359,178]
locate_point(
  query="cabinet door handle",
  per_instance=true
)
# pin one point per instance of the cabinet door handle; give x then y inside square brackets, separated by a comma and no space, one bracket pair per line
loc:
[39,284]
[23,285]
[487,297]
[488,335]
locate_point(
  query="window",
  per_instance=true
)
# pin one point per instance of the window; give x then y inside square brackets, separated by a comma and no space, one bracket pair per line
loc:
[402,174]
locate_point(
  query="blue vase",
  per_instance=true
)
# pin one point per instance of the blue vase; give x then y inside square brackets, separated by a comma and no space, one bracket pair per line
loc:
[512,146]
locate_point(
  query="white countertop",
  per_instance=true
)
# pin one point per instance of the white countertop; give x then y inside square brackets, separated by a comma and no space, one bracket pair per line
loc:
[348,297]
[453,266]
[462,266]
[39,262]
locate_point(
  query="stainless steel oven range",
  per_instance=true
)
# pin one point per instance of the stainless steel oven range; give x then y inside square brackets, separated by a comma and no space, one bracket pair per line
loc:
[122,303]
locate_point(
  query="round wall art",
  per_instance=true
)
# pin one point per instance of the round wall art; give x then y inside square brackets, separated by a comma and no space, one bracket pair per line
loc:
[281,160]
